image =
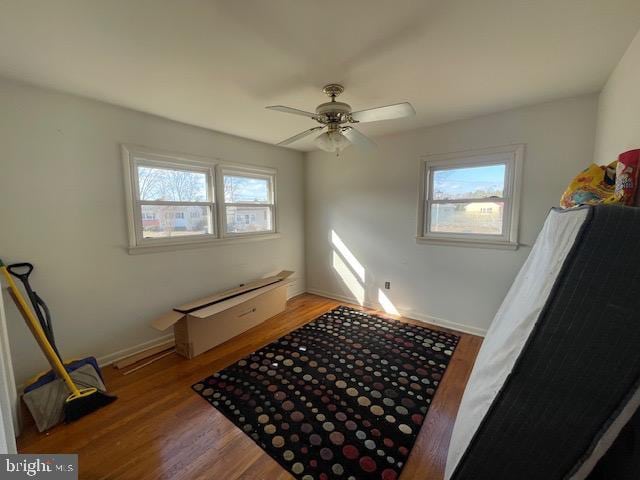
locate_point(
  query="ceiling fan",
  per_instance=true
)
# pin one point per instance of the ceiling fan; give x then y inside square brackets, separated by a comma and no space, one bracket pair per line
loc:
[336,117]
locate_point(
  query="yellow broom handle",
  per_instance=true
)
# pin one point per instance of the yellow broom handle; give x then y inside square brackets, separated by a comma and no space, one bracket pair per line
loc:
[55,362]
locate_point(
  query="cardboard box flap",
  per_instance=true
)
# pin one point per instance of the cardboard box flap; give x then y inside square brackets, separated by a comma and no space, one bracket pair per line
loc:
[167,320]
[233,292]
[237,300]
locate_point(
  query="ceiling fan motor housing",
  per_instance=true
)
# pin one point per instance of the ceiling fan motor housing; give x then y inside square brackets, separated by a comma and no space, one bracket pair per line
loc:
[334,111]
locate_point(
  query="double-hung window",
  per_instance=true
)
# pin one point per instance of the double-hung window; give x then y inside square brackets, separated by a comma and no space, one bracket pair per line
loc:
[471,198]
[176,199]
[249,200]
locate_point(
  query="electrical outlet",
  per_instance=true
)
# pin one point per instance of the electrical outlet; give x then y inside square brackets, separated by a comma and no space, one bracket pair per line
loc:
[387,285]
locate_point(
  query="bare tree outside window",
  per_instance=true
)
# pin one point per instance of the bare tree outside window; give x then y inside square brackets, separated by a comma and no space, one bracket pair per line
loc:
[172,185]
[148,181]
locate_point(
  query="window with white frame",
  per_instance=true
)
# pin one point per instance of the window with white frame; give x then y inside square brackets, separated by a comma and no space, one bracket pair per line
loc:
[471,197]
[249,201]
[176,199]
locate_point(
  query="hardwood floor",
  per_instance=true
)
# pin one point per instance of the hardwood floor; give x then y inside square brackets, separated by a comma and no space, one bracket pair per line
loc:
[160,429]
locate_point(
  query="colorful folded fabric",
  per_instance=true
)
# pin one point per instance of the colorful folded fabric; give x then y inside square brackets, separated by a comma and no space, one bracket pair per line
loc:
[593,185]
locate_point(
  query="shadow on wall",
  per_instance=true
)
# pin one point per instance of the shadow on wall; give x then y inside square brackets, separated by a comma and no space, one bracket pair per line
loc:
[353,274]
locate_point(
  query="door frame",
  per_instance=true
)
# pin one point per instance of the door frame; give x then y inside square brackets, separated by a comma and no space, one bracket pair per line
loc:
[9,405]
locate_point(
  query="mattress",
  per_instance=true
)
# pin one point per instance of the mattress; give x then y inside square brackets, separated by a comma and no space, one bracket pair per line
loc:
[557,378]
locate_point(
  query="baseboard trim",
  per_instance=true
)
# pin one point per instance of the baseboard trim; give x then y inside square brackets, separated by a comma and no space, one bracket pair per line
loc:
[295,293]
[440,322]
[108,359]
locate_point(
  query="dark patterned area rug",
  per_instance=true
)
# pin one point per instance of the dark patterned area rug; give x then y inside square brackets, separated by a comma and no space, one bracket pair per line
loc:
[342,397]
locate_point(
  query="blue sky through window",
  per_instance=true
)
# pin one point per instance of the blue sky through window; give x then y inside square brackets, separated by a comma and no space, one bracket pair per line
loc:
[469,182]
[246,189]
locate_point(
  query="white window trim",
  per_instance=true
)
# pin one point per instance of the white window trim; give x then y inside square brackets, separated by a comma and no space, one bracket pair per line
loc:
[511,197]
[138,244]
[246,171]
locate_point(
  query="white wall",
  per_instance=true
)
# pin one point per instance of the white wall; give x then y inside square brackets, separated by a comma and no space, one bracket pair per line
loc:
[63,208]
[619,108]
[370,201]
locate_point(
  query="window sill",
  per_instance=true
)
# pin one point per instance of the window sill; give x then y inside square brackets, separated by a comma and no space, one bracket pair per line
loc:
[473,243]
[142,249]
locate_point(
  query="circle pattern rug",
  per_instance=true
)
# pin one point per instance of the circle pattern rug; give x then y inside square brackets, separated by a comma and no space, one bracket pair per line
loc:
[342,397]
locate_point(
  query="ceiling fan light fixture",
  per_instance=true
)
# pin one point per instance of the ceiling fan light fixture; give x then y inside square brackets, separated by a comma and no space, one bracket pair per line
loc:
[332,141]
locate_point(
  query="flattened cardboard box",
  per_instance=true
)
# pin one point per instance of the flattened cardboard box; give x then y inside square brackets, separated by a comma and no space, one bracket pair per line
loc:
[201,325]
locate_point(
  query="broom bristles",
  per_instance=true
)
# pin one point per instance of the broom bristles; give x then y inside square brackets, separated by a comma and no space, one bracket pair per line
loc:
[79,407]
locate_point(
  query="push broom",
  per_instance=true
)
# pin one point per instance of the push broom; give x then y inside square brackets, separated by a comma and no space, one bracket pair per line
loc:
[82,401]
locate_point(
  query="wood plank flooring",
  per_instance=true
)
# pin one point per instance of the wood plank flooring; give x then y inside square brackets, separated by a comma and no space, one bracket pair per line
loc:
[160,429]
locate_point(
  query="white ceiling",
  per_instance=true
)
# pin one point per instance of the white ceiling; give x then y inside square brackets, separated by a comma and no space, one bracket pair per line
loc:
[216,64]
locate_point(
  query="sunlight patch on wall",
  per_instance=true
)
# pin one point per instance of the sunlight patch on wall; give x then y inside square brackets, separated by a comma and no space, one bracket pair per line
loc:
[387,305]
[349,257]
[348,277]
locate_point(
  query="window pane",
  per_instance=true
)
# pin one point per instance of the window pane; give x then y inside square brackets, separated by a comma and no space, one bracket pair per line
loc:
[249,219]
[239,189]
[161,221]
[470,182]
[483,218]
[172,185]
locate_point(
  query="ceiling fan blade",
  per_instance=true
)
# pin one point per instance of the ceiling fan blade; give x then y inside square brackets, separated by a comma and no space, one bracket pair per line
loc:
[358,139]
[295,111]
[389,112]
[300,135]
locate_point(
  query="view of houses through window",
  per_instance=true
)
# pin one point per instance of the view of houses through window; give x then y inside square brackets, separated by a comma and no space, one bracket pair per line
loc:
[167,221]
[470,217]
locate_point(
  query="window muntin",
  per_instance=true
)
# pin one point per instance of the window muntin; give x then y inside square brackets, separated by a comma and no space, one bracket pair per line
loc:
[249,202]
[471,197]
